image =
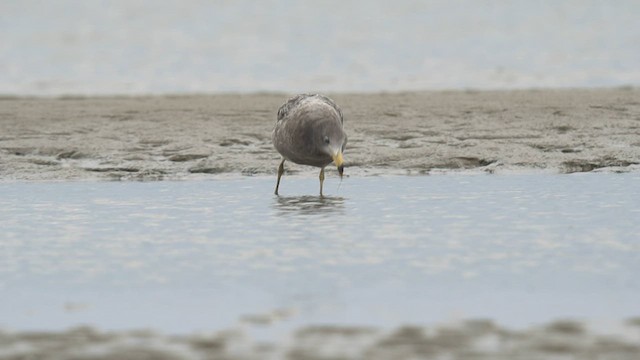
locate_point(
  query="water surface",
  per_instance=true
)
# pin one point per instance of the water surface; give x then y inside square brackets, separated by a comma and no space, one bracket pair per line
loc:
[381,251]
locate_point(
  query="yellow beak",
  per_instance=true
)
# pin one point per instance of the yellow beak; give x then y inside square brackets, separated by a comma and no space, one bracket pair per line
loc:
[339,161]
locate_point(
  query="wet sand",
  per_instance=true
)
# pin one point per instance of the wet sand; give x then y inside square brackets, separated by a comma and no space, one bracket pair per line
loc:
[182,137]
[474,339]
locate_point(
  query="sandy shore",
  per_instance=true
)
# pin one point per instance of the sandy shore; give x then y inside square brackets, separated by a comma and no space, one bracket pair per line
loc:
[178,137]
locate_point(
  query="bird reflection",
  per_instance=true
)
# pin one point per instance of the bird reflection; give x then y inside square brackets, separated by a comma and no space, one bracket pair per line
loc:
[308,205]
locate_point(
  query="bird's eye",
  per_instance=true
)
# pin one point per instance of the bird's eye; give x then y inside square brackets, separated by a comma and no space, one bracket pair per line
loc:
[326,140]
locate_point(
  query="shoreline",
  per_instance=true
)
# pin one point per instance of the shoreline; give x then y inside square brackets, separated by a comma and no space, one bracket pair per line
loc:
[478,337]
[183,137]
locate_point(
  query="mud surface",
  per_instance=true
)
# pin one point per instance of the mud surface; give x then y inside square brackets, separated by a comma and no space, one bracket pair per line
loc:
[179,137]
[473,339]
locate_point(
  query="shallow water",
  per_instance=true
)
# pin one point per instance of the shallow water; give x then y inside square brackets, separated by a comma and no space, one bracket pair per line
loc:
[381,251]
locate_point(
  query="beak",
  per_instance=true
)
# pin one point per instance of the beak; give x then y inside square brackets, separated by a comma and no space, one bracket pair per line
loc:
[337,159]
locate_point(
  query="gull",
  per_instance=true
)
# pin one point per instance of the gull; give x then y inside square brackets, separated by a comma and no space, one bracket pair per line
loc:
[309,132]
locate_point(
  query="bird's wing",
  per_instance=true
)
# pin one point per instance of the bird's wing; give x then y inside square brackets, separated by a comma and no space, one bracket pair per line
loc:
[290,104]
[333,105]
[293,102]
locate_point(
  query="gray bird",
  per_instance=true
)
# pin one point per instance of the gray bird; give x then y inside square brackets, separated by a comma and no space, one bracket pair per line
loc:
[309,132]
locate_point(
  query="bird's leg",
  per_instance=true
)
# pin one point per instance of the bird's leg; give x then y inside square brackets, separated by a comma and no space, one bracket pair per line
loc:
[321,180]
[280,172]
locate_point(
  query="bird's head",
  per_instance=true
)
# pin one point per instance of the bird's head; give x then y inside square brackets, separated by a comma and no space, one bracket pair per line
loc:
[334,144]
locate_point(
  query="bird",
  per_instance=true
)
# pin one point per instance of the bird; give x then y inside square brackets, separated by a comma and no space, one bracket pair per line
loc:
[309,131]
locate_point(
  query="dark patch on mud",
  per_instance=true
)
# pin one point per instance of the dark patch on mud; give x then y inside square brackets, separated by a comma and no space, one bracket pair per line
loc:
[155,142]
[186,157]
[207,170]
[547,148]
[499,137]
[71,154]
[573,166]
[566,327]
[231,142]
[464,162]
[400,137]
[44,162]
[563,129]
[18,151]
[609,107]
[112,169]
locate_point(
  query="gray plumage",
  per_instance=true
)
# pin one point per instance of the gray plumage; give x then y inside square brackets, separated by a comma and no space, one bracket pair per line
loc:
[309,131]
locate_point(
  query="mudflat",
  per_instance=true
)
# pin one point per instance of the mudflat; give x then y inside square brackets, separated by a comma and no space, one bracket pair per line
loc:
[182,137]
[474,339]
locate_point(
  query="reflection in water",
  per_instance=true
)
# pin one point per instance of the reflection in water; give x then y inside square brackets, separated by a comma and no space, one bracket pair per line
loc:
[308,205]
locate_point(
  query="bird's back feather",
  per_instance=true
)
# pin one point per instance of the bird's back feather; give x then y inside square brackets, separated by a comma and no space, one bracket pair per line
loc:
[295,101]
